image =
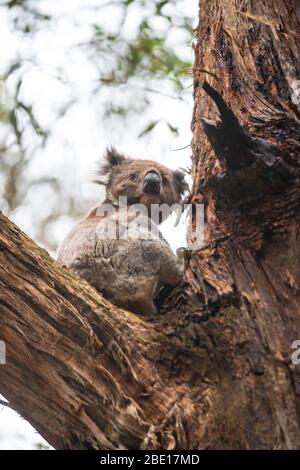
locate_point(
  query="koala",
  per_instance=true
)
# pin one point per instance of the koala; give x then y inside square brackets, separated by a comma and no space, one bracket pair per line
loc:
[118,247]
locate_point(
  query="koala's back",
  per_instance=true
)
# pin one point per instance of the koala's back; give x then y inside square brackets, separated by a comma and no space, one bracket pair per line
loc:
[127,268]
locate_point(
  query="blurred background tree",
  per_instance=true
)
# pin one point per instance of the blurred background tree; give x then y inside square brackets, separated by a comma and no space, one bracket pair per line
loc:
[81,75]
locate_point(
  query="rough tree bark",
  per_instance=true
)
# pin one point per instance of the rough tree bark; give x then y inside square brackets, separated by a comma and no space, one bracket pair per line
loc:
[214,369]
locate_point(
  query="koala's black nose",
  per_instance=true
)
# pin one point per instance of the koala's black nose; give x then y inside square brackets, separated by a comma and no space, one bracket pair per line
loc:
[152,183]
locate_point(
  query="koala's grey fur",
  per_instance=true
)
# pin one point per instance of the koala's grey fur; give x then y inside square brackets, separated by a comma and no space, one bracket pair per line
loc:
[127,271]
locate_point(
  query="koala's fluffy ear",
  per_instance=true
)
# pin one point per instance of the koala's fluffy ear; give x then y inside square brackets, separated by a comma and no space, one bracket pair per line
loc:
[180,183]
[112,159]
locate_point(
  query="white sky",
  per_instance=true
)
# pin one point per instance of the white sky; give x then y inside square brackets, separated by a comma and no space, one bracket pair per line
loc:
[16,433]
[79,139]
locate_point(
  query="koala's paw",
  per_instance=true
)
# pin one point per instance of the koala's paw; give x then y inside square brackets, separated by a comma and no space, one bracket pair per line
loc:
[180,252]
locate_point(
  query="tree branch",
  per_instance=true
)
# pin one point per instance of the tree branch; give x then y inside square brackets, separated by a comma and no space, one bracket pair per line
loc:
[83,372]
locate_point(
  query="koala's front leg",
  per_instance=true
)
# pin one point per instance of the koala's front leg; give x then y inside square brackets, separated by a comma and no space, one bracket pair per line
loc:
[172,267]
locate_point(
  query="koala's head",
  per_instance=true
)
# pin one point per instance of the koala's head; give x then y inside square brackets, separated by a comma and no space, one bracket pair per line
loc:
[142,181]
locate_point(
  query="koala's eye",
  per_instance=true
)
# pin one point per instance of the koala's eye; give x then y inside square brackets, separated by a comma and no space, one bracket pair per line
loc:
[133,176]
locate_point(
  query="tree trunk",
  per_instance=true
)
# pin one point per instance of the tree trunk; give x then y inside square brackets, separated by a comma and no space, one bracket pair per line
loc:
[214,369]
[248,273]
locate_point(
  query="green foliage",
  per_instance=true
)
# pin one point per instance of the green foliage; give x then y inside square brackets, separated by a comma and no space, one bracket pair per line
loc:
[41,446]
[133,54]
[143,54]
[151,54]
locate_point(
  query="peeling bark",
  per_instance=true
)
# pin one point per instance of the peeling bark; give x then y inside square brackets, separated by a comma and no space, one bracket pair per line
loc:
[213,369]
[84,373]
[246,172]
